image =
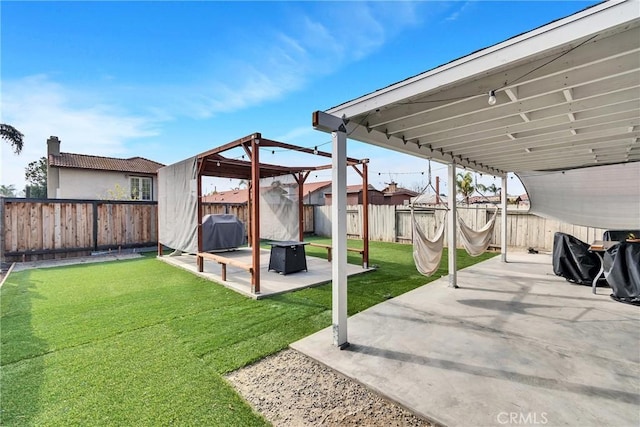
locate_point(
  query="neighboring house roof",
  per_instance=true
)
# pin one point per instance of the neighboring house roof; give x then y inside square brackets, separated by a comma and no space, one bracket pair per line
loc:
[399,190]
[355,189]
[315,186]
[484,199]
[231,196]
[83,161]
[429,199]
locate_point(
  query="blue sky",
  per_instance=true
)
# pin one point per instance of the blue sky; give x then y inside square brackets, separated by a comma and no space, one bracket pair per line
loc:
[167,80]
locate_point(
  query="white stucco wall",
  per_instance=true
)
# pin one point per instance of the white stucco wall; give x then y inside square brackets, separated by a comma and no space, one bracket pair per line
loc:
[93,184]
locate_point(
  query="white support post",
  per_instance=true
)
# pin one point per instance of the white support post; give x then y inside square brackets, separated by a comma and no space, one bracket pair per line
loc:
[339,238]
[338,128]
[452,228]
[503,219]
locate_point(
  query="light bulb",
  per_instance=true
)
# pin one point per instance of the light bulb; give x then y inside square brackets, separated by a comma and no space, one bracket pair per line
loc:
[315,150]
[492,97]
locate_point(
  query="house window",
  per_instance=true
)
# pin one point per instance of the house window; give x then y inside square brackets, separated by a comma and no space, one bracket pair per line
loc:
[140,188]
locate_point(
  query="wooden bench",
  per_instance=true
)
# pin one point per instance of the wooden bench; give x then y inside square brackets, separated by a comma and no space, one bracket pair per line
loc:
[329,249]
[223,261]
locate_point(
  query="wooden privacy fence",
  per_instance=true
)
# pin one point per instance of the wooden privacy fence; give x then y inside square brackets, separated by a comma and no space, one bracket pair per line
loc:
[36,229]
[393,224]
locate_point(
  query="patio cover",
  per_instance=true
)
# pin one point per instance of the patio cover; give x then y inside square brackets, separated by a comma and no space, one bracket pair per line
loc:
[563,96]
[567,96]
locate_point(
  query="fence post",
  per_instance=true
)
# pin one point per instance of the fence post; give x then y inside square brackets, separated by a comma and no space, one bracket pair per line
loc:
[2,226]
[95,225]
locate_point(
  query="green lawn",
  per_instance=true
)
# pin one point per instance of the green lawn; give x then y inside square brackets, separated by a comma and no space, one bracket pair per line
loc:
[142,343]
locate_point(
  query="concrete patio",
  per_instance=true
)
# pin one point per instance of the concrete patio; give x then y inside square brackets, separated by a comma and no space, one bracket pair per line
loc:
[514,345]
[271,283]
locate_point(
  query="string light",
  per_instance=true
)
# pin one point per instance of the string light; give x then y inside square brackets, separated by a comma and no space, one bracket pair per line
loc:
[492,97]
[315,150]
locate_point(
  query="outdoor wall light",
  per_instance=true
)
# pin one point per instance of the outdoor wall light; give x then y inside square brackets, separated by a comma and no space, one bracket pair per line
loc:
[492,97]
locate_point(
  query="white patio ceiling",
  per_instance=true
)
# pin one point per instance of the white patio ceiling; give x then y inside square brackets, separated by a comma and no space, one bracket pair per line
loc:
[568,96]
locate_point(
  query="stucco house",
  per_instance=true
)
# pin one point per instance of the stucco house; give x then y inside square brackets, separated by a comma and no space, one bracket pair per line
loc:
[395,195]
[81,176]
[354,195]
[314,192]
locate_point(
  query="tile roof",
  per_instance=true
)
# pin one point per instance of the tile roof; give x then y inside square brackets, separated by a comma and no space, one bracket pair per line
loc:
[399,190]
[357,188]
[83,161]
[231,196]
[314,186]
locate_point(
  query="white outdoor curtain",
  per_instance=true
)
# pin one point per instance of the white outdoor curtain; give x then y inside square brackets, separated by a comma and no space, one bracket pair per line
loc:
[279,208]
[427,253]
[178,206]
[476,242]
[605,196]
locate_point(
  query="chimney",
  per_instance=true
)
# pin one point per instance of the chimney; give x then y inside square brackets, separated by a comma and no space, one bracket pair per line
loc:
[53,173]
[53,146]
[393,187]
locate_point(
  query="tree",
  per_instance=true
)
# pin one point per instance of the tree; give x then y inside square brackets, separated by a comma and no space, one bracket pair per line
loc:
[8,190]
[490,188]
[118,192]
[464,185]
[36,176]
[13,136]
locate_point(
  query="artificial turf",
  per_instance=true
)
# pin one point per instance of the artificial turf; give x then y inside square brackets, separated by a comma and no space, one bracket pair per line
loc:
[140,342]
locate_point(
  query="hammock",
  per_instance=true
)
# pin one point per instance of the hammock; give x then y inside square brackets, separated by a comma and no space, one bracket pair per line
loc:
[476,242]
[427,253]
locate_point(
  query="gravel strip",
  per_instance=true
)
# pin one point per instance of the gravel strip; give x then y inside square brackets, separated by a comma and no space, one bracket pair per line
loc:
[290,389]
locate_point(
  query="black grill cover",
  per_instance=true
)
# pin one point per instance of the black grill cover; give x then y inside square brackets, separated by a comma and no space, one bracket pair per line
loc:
[622,271]
[221,232]
[573,261]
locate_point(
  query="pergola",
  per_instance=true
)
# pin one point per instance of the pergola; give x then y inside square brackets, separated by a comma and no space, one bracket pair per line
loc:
[556,105]
[214,163]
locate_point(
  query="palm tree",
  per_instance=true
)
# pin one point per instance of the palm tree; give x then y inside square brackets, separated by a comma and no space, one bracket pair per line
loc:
[465,186]
[8,190]
[490,188]
[12,136]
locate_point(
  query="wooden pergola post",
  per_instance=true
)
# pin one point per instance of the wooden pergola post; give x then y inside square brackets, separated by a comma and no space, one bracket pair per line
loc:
[300,179]
[365,213]
[364,173]
[199,259]
[255,214]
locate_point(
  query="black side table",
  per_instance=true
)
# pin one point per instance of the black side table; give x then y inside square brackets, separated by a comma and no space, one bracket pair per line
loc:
[288,257]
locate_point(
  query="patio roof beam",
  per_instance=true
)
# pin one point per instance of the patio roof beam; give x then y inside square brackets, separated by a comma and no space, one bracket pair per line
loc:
[233,144]
[422,150]
[556,36]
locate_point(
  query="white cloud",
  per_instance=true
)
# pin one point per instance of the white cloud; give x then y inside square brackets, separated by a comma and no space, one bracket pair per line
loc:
[40,108]
[456,14]
[283,60]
